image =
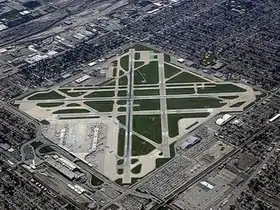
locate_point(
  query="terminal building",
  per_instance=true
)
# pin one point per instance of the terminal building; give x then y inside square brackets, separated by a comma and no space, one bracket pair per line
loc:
[64,166]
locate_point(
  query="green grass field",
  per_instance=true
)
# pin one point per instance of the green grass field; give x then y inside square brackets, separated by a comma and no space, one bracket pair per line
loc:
[178,91]
[101,106]
[123,80]
[71,111]
[145,85]
[120,161]
[186,77]
[140,146]
[138,64]
[122,119]
[95,181]
[92,88]
[221,88]
[45,96]
[168,85]
[73,105]
[64,90]
[120,182]
[71,94]
[146,92]
[238,104]
[112,84]
[162,161]
[193,103]
[121,102]
[120,171]
[148,126]
[137,169]
[109,82]
[146,104]
[46,149]
[134,160]
[121,72]
[121,141]
[115,72]
[75,94]
[122,93]
[97,94]
[147,74]
[169,70]
[124,62]
[48,105]
[122,109]
[228,97]
[174,118]
[137,56]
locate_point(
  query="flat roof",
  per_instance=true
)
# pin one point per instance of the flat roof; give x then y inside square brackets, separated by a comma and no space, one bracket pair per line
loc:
[274,118]
[225,118]
[207,185]
[191,140]
[83,78]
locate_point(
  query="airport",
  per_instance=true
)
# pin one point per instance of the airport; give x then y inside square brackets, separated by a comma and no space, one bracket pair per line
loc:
[132,121]
[139,104]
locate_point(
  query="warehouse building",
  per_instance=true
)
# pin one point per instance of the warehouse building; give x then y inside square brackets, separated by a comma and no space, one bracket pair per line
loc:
[224,119]
[190,141]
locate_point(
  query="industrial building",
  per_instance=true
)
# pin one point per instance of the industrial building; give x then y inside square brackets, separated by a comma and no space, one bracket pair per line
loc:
[274,118]
[92,63]
[190,141]
[82,79]
[224,119]
[180,60]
